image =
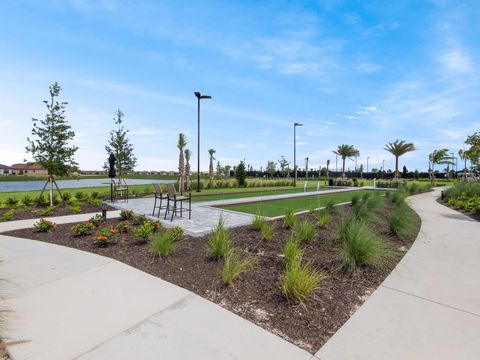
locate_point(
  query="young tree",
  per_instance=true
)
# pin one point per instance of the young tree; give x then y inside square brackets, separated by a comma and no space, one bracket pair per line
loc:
[50,147]
[271,168]
[182,142]
[240,174]
[188,154]
[397,149]
[346,151]
[119,145]
[220,170]
[211,152]
[404,171]
[284,166]
[328,164]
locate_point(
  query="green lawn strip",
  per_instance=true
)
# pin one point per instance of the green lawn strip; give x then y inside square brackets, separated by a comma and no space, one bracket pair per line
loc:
[228,194]
[277,207]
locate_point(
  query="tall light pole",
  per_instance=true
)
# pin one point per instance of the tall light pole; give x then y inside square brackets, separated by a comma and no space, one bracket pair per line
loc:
[295,152]
[367,162]
[199,97]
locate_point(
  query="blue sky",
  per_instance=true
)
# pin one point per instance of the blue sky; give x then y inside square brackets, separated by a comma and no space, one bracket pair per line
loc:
[355,72]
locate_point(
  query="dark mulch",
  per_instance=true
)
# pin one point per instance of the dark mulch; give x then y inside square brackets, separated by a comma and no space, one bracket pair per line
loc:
[256,295]
[475,216]
[22,214]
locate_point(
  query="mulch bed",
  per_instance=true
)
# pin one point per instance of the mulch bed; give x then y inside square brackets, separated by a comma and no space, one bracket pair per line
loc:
[256,295]
[22,214]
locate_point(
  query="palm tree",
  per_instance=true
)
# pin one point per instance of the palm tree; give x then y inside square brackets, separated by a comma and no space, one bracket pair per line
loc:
[397,149]
[439,157]
[181,162]
[211,152]
[346,151]
[188,154]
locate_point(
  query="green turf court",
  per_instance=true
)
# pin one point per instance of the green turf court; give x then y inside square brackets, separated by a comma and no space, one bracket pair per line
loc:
[277,207]
[250,192]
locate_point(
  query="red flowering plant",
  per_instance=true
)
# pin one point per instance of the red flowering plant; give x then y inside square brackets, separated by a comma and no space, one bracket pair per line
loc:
[123,226]
[44,226]
[103,236]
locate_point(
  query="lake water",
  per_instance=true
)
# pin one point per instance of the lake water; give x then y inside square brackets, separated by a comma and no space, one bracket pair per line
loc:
[8,186]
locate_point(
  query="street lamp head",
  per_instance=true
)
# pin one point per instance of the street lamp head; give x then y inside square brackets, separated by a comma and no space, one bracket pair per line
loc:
[200,96]
[297,124]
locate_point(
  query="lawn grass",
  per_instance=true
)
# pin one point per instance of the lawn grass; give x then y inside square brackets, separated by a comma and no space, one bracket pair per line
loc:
[277,207]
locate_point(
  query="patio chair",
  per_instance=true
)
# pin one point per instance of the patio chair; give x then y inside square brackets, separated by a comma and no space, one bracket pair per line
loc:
[160,195]
[174,198]
[120,189]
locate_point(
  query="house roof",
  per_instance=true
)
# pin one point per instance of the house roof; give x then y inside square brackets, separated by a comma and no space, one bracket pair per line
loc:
[4,166]
[27,166]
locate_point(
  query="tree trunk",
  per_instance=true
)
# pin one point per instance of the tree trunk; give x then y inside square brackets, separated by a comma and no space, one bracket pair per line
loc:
[50,180]
[396,167]
[343,168]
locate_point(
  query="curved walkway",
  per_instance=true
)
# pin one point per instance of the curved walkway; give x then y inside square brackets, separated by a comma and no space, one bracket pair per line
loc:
[429,306]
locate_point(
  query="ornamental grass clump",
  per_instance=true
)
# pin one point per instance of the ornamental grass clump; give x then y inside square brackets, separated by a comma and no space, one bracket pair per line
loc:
[268,230]
[299,281]
[402,222]
[219,243]
[292,253]
[235,264]
[163,243]
[323,218]
[355,199]
[44,226]
[304,231]
[375,202]
[330,206]
[359,245]
[289,218]
[399,196]
[258,222]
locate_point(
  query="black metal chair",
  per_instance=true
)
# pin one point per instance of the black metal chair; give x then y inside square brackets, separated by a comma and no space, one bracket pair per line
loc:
[160,195]
[120,189]
[175,199]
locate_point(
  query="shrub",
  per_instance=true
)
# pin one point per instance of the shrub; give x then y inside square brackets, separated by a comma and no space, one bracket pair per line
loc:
[292,253]
[95,202]
[413,188]
[28,201]
[219,244]
[48,211]
[94,195]
[360,246]
[104,235]
[289,218]
[11,202]
[67,196]
[355,199]
[268,230]
[164,243]
[42,201]
[79,195]
[402,222]
[97,220]
[323,218]
[44,226]
[258,222]
[126,215]
[75,209]
[234,266]
[56,199]
[7,215]
[299,281]
[145,230]
[139,220]
[123,226]
[304,231]
[83,228]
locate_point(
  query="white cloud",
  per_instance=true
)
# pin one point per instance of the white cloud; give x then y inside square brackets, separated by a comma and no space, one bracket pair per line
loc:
[368,67]
[456,61]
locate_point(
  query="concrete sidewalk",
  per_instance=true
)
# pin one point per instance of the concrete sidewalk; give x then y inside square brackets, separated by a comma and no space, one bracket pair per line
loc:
[71,304]
[429,306]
